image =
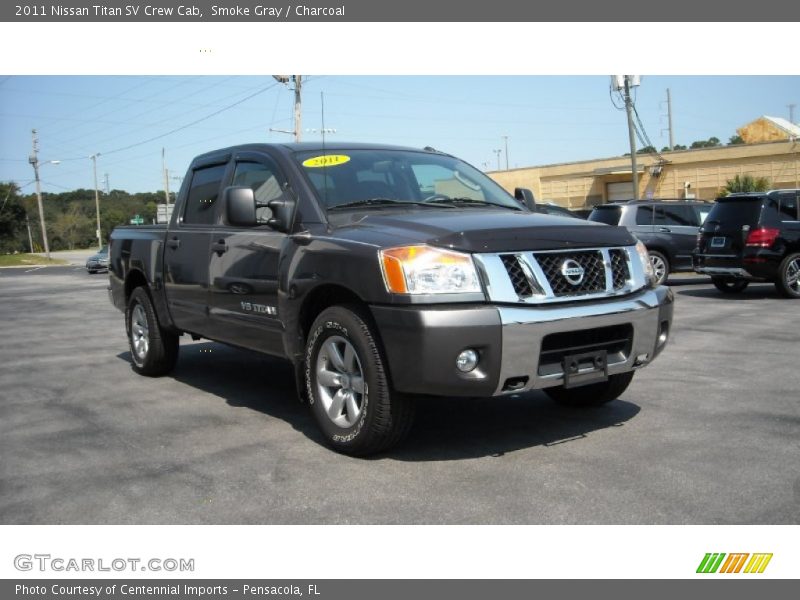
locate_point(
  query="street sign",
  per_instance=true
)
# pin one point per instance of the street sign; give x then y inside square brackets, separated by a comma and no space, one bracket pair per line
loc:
[137,220]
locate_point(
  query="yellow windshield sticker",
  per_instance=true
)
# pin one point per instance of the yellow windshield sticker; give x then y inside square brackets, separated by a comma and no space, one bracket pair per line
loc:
[329,160]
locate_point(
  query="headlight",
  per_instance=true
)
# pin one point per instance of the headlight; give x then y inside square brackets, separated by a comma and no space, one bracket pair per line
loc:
[427,270]
[647,266]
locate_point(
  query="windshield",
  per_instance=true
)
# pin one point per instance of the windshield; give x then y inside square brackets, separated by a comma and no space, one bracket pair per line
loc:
[344,178]
[608,215]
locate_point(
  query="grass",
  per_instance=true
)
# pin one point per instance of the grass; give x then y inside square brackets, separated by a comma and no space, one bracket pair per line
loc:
[25,260]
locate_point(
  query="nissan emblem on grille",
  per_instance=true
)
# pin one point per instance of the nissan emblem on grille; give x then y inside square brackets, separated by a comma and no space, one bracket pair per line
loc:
[572,271]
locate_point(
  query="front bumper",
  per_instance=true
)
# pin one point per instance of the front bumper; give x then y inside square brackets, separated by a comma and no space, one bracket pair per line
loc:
[422,344]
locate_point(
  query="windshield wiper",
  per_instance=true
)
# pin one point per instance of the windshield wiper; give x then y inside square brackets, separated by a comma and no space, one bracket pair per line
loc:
[379,202]
[464,200]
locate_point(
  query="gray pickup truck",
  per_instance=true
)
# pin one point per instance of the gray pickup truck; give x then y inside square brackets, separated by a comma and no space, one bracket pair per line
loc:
[383,274]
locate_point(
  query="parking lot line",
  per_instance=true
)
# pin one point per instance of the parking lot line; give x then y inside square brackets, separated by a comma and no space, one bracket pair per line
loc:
[36,269]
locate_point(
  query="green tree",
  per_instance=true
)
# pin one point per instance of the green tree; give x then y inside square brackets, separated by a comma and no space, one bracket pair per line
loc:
[13,233]
[72,228]
[735,140]
[745,183]
[646,150]
[711,142]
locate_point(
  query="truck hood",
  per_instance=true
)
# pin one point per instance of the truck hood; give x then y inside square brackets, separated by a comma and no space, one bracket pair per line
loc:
[475,230]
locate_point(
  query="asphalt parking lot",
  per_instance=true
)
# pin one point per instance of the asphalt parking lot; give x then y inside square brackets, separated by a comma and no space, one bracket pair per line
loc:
[707,435]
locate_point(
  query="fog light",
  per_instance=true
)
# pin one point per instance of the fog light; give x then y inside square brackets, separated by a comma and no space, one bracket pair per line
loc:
[663,333]
[467,360]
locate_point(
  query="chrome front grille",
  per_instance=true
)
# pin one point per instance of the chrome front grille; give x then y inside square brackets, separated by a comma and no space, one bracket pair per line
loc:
[522,285]
[619,268]
[592,278]
[560,275]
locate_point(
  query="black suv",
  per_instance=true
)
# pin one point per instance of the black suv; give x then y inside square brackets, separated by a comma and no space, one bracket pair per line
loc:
[668,228]
[752,237]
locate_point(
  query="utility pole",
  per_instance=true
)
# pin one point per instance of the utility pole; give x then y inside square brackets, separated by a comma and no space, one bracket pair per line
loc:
[791,112]
[28,225]
[166,178]
[106,185]
[631,138]
[34,160]
[97,201]
[298,114]
[505,138]
[498,152]
[669,120]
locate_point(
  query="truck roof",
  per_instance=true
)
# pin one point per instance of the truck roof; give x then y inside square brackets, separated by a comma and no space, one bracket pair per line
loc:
[309,146]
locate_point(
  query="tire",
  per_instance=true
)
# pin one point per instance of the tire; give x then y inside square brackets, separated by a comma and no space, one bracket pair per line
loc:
[788,283]
[730,286]
[593,394]
[92,272]
[660,266]
[154,351]
[348,387]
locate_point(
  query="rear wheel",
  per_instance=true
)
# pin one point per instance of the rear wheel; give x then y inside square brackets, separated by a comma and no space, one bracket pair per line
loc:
[729,286]
[154,350]
[788,283]
[660,266]
[348,386]
[593,394]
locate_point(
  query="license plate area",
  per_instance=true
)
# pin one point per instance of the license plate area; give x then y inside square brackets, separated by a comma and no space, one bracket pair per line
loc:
[585,368]
[718,241]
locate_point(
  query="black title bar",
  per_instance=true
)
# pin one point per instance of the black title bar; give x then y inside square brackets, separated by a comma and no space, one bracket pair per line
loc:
[463,11]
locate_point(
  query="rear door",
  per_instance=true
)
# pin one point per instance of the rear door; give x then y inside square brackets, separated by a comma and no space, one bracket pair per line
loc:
[677,224]
[245,264]
[186,252]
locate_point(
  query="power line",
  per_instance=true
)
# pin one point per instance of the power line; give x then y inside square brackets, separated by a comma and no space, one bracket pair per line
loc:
[185,126]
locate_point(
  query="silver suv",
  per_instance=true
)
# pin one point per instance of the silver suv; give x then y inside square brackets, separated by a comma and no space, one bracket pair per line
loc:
[667,227]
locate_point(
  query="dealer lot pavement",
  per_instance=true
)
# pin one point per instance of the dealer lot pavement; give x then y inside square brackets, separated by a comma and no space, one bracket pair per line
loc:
[708,434]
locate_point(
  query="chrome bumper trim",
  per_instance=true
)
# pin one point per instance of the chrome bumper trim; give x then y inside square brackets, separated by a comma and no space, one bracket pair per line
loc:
[524,328]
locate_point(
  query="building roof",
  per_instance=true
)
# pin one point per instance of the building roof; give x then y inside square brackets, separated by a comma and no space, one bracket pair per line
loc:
[790,128]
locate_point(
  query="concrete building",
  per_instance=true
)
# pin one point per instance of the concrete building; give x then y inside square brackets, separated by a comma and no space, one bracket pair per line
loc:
[699,173]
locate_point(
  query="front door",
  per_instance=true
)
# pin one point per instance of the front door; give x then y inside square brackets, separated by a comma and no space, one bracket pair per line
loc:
[244,267]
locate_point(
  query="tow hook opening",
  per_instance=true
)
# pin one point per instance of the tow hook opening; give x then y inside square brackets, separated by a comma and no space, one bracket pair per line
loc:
[514,384]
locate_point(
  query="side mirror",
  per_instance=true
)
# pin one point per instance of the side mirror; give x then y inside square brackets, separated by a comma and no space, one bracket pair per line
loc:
[282,211]
[525,197]
[240,206]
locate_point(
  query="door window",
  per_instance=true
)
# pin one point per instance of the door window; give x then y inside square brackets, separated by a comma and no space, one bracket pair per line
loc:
[788,208]
[644,215]
[203,193]
[675,216]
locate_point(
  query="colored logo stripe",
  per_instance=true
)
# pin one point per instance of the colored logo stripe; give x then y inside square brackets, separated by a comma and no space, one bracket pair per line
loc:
[758,563]
[733,564]
[710,563]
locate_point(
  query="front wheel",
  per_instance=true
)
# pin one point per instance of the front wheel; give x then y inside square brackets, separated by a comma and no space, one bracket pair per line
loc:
[593,394]
[348,386]
[788,283]
[730,286]
[154,350]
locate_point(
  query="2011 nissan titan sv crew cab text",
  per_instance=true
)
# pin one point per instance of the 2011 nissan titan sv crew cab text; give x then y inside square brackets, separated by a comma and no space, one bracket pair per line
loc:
[382,274]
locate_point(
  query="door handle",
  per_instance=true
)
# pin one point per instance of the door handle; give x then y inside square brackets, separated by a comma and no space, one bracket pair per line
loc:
[219,247]
[664,229]
[174,243]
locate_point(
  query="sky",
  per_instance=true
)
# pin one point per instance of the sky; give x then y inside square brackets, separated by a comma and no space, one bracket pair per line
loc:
[128,120]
